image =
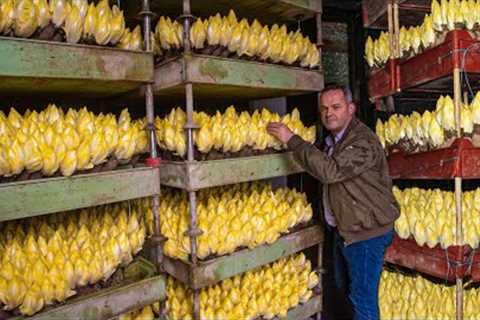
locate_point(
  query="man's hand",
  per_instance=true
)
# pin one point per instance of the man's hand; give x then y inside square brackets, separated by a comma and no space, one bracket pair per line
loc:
[280,131]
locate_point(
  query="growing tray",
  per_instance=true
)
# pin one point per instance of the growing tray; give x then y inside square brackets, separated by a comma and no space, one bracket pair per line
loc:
[215,270]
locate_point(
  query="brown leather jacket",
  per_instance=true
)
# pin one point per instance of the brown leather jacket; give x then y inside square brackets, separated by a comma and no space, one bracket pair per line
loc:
[355,182]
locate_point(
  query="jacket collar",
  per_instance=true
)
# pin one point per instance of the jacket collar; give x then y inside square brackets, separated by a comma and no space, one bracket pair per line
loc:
[353,123]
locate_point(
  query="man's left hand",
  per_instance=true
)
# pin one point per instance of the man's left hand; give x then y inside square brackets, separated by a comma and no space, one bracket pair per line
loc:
[280,131]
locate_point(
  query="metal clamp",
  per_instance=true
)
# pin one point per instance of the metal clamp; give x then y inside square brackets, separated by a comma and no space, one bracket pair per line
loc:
[158,240]
[196,232]
[150,126]
[147,13]
[188,126]
[186,17]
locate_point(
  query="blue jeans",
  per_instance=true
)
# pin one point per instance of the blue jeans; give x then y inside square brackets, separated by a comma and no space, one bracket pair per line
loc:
[364,262]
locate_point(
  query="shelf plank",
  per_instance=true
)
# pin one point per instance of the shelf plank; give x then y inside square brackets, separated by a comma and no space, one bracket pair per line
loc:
[461,159]
[42,196]
[110,302]
[382,82]
[273,11]
[222,77]
[301,312]
[205,174]
[215,270]
[411,13]
[305,310]
[32,66]
[445,264]
[430,72]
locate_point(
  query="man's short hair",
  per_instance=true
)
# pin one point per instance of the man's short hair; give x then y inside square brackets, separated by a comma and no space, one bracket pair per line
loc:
[345,89]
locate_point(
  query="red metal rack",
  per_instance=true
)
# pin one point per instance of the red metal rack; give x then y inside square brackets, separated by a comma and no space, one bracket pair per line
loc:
[430,71]
[382,81]
[411,12]
[447,264]
[461,159]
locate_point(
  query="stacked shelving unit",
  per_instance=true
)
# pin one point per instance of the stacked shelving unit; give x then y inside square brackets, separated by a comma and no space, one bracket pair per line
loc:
[53,69]
[195,77]
[437,70]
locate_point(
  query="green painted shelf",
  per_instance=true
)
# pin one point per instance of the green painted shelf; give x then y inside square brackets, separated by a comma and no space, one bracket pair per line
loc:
[108,303]
[50,195]
[273,11]
[301,312]
[33,66]
[212,271]
[305,310]
[219,77]
[205,174]
[144,287]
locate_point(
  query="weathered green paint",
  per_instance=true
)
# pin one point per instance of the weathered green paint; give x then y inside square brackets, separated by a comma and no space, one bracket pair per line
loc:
[40,66]
[222,71]
[224,268]
[306,310]
[205,174]
[42,196]
[215,70]
[212,271]
[140,267]
[110,302]
[234,77]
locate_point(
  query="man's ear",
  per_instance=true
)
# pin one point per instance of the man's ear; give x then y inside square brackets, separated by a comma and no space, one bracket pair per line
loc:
[352,108]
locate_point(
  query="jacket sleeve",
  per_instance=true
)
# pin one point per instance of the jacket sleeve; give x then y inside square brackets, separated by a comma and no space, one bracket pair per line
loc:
[355,159]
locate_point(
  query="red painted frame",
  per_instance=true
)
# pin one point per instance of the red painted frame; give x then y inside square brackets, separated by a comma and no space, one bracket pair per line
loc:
[462,159]
[447,264]
[431,65]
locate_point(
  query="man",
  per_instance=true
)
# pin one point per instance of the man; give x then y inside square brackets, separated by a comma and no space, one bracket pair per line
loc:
[357,192]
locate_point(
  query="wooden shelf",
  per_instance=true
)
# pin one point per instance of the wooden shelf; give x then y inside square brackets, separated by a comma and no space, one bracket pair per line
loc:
[41,196]
[217,77]
[462,159]
[272,11]
[430,72]
[205,174]
[42,67]
[444,264]
[215,270]
[411,12]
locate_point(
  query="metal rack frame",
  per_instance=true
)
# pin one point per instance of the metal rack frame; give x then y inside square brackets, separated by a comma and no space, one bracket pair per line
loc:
[95,72]
[451,169]
[192,175]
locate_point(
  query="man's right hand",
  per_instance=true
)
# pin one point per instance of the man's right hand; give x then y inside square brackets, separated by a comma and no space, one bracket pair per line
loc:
[280,131]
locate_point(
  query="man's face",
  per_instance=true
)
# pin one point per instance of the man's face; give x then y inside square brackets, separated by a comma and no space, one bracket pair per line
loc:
[335,112]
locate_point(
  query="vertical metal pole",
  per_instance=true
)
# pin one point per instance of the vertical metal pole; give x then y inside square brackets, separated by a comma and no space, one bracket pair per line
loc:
[147,21]
[318,18]
[149,105]
[459,241]
[457,95]
[457,98]
[390,29]
[190,126]
[396,29]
